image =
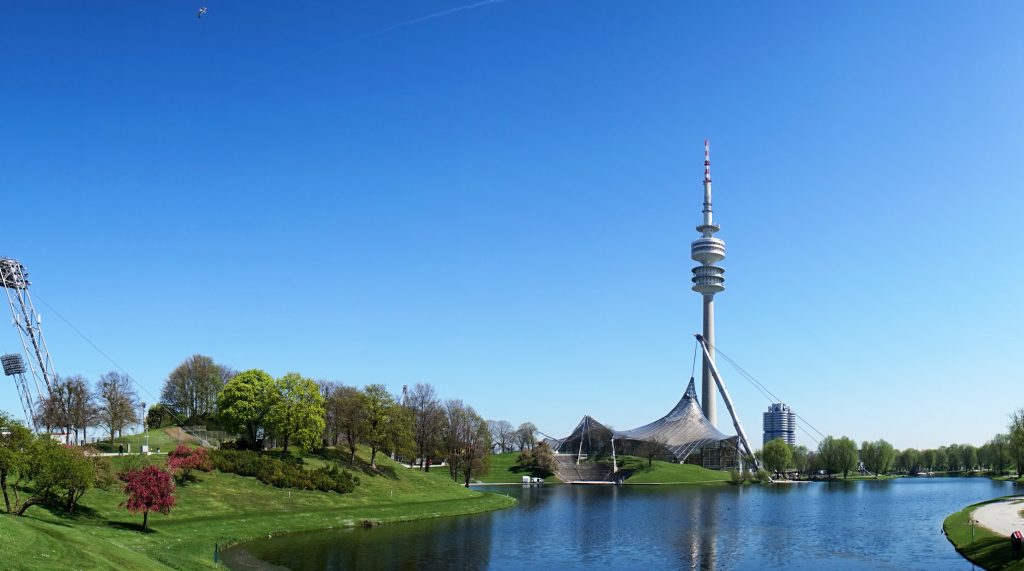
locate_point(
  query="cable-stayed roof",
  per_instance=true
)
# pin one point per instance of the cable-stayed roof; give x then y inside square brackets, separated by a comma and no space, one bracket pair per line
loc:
[588,431]
[683,430]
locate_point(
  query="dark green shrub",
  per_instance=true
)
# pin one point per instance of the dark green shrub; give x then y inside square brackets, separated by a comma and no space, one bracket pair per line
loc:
[283,473]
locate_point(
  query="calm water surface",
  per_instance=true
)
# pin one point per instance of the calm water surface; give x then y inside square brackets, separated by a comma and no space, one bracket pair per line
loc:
[843,526]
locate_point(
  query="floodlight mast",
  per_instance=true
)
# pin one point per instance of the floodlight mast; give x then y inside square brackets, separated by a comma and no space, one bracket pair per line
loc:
[728,401]
[14,366]
[14,279]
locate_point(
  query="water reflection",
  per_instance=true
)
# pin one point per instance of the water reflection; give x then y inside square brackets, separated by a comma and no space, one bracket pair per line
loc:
[698,534]
[846,526]
[410,546]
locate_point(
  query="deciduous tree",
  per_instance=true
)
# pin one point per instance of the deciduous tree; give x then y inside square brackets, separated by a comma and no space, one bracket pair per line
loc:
[245,404]
[467,443]
[968,456]
[1016,443]
[60,475]
[878,456]
[651,449]
[149,489]
[297,413]
[777,455]
[837,455]
[908,461]
[541,459]
[801,458]
[83,411]
[117,402]
[526,436]
[332,418]
[846,455]
[159,416]
[428,419]
[379,408]
[502,435]
[350,406]
[15,441]
[191,389]
[1000,452]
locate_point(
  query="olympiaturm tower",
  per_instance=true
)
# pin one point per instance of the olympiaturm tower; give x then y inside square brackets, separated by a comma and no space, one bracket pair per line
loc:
[708,279]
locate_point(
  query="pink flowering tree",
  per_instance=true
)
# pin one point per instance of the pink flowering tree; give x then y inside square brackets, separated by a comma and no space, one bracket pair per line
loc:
[184,459]
[149,489]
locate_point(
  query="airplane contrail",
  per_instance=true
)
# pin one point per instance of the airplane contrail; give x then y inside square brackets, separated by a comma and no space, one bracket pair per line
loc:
[390,28]
[436,15]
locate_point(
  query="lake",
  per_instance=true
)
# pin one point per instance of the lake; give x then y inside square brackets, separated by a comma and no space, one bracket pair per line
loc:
[893,524]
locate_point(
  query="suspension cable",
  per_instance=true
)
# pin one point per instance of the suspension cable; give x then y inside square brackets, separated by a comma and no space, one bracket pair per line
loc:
[765,391]
[109,358]
[693,367]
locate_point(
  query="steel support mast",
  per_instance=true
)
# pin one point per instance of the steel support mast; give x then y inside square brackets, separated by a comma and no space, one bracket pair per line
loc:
[728,402]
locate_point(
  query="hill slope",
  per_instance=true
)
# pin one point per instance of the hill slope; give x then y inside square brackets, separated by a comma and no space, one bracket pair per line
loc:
[222,509]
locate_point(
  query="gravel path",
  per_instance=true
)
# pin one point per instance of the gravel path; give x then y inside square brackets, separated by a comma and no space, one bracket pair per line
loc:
[1002,517]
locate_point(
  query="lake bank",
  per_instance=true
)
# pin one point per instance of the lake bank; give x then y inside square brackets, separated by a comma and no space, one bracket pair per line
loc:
[223,509]
[982,546]
[841,526]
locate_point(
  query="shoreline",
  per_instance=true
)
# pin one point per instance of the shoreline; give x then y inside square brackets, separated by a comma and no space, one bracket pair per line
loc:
[220,511]
[353,523]
[979,544]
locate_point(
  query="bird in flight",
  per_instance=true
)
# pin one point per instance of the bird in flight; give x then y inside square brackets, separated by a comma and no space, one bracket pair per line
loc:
[201,12]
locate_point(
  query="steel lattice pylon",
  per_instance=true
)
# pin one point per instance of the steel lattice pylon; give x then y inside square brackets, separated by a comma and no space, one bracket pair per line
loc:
[14,279]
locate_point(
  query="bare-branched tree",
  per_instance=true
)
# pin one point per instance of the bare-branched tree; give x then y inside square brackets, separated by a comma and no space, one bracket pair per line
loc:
[118,404]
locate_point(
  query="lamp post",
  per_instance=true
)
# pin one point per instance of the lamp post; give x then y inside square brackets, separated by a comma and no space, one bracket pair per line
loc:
[145,428]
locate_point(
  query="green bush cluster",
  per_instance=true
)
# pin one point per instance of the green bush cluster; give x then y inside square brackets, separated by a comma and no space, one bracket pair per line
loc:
[283,473]
[747,476]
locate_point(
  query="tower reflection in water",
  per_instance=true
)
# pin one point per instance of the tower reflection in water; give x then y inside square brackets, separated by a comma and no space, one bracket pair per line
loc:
[698,542]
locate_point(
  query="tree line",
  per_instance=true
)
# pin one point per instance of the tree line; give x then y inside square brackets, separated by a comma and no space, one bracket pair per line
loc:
[74,405]
[841,455]
[294,411]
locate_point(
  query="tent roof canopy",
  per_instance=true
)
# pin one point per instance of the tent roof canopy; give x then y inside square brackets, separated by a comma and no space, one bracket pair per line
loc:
[683,430]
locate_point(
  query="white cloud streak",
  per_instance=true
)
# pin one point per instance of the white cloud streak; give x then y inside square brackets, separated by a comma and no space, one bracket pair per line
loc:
[436,15]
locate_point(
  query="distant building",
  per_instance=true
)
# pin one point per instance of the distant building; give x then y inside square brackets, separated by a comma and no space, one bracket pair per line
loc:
[780,422]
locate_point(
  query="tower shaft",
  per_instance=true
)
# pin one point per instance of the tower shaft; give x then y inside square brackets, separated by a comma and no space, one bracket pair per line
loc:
[707,387]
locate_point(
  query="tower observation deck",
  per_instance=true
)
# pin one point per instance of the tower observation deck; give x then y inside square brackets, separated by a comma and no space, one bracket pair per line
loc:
[708,279]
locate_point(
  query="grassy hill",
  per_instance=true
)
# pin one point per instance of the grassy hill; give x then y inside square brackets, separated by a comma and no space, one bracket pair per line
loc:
[668,473]
[220,509]
[504,471]
[163,438]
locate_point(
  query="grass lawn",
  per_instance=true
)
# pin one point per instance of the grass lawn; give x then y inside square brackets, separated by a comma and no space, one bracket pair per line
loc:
[166,439]
[221,509]
[988,550]
[504,471]
[669,473]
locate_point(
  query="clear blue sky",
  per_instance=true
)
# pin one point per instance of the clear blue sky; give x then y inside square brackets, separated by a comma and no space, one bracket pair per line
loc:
[500,200]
